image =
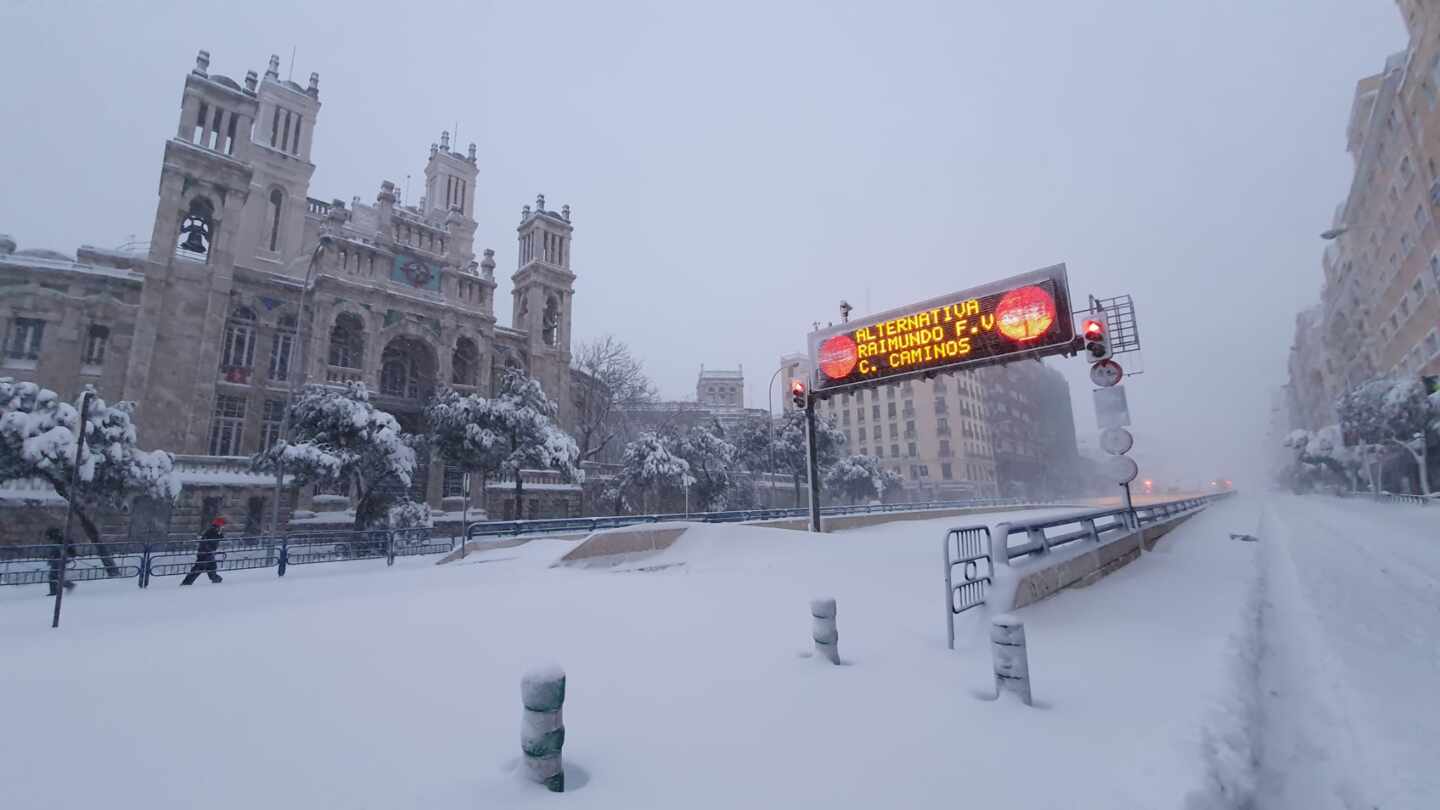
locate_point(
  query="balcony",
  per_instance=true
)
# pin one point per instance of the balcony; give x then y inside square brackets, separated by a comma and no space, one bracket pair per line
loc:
[339,375]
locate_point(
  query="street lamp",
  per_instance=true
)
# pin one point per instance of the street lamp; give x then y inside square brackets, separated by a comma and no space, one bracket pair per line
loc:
[300,322]
[1342,229]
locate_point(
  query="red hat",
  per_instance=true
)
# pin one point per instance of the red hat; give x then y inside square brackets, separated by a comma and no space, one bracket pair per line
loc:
[219,521]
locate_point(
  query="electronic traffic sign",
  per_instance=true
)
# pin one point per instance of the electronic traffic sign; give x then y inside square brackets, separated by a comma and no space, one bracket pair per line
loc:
[1023,316]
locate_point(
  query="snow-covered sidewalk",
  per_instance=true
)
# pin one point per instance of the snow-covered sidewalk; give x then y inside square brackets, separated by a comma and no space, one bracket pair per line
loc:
[1352,657]
[366,687]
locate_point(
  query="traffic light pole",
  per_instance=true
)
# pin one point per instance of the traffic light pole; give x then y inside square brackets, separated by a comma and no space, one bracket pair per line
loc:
[812,470]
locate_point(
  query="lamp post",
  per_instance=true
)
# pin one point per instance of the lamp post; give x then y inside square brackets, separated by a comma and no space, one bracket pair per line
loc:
[291,374]
[770,422]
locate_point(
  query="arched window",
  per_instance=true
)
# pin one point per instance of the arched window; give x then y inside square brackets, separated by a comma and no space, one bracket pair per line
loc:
[277,202]
[407,368]
[465,363]
[550,324]
[347,341]
[237,353]
[195,229]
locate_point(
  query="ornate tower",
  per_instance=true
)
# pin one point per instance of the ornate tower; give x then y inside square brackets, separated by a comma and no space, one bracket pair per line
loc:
[205,181]
[450,197]
[544,286]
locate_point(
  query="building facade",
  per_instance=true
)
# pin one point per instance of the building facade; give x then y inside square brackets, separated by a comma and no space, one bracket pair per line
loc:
[1380,299]
[234,299]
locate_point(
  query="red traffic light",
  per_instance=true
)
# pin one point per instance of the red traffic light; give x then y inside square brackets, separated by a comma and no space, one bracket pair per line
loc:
[1093,329]
[798,393]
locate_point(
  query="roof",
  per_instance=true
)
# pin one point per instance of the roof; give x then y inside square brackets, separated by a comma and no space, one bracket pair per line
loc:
[721,374]
[53,261]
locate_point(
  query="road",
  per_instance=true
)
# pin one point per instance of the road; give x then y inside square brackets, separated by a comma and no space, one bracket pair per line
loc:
[1350,655]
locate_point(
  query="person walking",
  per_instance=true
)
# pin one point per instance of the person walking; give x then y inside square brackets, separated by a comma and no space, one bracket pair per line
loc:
[58,545]
[205,554]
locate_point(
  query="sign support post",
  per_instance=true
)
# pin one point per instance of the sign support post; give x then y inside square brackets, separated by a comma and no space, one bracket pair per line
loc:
[812,471]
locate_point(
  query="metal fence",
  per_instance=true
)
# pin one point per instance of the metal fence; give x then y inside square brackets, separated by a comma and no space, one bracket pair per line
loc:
[1394,497]
[511,528]
[972,548]
[181,555]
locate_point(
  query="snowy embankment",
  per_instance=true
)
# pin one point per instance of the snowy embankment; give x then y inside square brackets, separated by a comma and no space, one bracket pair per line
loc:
[1352,656]
[357,686]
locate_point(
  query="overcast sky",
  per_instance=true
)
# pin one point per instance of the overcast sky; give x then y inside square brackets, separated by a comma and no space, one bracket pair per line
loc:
[736,168]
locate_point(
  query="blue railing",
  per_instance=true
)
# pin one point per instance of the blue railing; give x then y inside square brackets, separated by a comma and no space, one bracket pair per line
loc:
[512,528]
[180,555]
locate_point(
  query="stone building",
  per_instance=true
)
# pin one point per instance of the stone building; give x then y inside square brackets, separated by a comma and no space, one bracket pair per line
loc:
[1032,425]
[233,300]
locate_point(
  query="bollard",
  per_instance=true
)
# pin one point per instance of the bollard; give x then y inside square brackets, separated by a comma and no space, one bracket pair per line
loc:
[542,730]
[827,638]
[1012,663]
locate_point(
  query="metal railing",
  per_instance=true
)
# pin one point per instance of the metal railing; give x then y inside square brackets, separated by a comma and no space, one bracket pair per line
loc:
[971,548]
[512,528]
[1393,497]
[180,555]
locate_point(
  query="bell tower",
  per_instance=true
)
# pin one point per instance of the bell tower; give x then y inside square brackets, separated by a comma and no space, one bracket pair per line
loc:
[543,288]
[450,197]
[205,180]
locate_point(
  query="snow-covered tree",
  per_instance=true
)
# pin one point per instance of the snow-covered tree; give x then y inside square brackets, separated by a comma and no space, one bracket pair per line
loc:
[790,450]
[1321,459]
[337,436]
[860,478]
[38,434]
[465,431]
[712,461]
[615,378]
[524,419]
[1391,412]
[651,465]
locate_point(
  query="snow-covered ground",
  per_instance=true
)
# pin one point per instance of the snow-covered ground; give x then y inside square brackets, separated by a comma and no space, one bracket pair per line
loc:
[1350,667]
[357,686]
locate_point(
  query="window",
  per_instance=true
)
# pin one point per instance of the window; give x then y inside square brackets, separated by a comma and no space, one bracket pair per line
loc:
[890,391]
[347,341]
[910,429]
[942,426]
[875,433]
[890,409]
[277,203]
[924,470]
[228,426]
[274,415]
[465,363]
[845,418]
[280,350]
[95,342]
[875,412]
[453,485]
[860,414]
[879,451]
[946,471]
[910,449]
[944,448]
[895,450]
[237,353]
[894,431]
[24,340]
[906,390]
[914,472]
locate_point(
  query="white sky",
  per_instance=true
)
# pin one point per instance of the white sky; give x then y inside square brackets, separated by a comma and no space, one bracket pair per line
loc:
[737,167]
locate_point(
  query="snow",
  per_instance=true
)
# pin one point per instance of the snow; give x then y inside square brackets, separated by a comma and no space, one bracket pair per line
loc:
[359,686]
[1351,656]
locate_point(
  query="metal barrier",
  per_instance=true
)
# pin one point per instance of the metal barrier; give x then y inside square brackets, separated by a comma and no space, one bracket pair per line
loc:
[1393,497]
[32,565]
[178,555]
[975,544]
[502,528]
[971,548]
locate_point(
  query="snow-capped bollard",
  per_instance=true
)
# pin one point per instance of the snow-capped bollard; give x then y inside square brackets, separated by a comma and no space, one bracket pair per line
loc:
[827,638]
[542,731]
[1012,663]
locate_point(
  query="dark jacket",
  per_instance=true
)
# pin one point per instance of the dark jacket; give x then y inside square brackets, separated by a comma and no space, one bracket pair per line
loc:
[210,541]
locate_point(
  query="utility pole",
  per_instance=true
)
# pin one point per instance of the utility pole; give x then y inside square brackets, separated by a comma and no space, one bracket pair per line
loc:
[812,465]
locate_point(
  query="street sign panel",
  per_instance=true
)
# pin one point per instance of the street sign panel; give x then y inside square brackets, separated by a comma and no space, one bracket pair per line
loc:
[1116,441]
[1023,316]
[1121,469]
[1106,373]
[1111,409]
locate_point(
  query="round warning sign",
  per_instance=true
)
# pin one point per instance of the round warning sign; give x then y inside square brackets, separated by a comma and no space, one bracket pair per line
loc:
[1116,441]
[1106,373]
[1121,469]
